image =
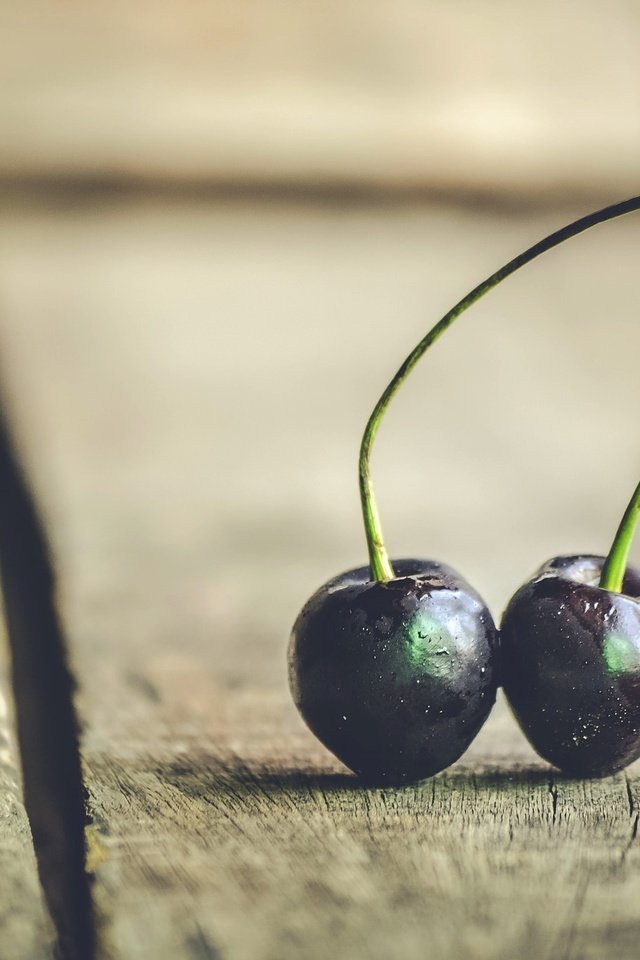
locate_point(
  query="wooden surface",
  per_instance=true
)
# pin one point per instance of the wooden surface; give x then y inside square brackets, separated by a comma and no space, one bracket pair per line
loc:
[189,382]
[440,97]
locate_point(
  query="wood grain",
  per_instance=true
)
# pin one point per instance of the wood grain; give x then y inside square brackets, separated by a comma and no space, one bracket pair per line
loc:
[266,849]
[189,384]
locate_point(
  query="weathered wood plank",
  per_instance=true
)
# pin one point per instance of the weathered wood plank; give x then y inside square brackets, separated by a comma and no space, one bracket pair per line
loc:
[282,855]
[177,370]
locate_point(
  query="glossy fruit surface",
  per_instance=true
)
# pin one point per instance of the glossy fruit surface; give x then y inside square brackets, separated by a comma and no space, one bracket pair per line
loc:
[570,666]
[396,677]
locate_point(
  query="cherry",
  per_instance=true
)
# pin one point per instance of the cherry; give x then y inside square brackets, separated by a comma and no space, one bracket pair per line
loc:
[393,666]
[396,677]
[570,650]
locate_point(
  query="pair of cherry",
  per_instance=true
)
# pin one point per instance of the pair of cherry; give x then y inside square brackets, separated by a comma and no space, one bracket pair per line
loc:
[395,667]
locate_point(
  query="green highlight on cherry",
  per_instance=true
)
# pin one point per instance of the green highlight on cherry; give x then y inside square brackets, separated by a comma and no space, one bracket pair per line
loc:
[380,564]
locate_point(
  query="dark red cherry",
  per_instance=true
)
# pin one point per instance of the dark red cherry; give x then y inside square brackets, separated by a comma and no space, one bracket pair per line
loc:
[396,677]
[570,666]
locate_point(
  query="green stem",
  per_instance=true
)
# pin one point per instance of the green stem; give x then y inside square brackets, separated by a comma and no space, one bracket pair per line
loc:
[615,565]
[381,568]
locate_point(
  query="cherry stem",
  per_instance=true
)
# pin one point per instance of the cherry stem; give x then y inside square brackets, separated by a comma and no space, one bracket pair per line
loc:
[381,568]
[615,566]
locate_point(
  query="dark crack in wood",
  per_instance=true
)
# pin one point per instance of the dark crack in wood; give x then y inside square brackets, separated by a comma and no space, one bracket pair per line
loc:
[553,793]
[45,716]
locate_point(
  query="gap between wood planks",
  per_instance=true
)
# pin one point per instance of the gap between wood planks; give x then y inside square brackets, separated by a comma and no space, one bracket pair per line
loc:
[78,187]
[46,722]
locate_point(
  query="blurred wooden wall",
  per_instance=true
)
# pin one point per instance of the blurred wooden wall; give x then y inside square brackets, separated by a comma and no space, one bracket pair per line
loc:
[448,95]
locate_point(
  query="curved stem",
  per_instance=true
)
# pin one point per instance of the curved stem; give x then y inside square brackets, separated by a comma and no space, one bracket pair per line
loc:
[381,568]
[615,565]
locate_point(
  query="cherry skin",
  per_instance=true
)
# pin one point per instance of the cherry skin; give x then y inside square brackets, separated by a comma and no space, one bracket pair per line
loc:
[570,666]
[395,678]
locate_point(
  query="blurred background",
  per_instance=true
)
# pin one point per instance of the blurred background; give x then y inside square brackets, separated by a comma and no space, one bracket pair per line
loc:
[224,225]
